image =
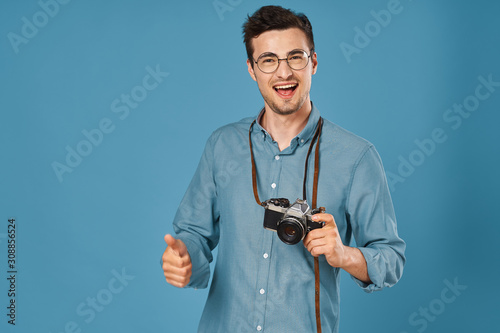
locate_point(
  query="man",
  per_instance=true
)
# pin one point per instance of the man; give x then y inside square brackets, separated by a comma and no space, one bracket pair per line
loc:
[260,283]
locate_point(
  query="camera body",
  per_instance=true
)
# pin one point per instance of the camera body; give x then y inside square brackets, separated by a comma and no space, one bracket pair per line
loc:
[291,222]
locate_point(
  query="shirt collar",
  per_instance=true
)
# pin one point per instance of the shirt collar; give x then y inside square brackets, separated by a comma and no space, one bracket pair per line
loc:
[304,136]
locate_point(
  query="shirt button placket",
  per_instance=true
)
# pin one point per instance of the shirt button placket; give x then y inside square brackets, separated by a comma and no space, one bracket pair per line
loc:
[277,159]
[262,291]
[262,298]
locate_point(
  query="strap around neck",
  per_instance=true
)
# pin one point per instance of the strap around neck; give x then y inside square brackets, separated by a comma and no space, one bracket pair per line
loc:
[315,138]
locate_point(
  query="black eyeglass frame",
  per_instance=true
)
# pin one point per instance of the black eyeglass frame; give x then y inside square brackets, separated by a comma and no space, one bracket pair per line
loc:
[288,54]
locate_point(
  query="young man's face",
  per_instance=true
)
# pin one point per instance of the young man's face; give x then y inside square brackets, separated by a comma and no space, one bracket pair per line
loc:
[281,42]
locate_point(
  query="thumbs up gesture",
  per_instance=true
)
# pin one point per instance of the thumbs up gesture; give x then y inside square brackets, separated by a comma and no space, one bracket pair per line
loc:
[176,262]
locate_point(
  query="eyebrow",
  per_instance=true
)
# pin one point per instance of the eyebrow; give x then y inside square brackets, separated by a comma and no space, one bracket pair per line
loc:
[267,54]
[292,52]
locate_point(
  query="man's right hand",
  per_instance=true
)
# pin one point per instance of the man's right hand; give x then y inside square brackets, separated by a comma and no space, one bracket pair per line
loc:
[176,262]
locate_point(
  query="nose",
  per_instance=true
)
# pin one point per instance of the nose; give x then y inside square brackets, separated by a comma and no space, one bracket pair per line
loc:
[284,71]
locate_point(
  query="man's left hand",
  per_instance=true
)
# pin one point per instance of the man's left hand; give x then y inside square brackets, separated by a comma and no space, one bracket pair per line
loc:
[326,241]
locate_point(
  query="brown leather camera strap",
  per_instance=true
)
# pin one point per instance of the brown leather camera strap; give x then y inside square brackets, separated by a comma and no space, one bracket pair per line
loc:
[315,138]
[254,171]
[314,205]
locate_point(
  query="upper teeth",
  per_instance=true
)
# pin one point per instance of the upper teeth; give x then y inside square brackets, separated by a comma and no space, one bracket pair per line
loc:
[286,87]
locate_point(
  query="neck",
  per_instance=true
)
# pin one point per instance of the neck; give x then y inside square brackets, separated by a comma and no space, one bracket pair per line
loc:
[283,128]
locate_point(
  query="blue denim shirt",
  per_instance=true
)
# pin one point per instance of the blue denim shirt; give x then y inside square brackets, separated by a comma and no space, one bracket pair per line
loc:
[260,283]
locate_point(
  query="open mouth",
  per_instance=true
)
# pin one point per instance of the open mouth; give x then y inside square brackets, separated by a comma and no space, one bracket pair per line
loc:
[286,90]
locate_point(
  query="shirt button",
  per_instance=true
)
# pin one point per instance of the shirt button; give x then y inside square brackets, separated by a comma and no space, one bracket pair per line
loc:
[277,157]
[273,185]
[266,255]
[302,141]
[262,291]
[259,328]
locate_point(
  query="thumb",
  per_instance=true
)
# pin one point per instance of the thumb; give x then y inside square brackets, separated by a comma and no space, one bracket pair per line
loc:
[176,245]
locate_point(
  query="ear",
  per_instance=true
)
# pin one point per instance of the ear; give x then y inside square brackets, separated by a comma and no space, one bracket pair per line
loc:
[314,60]
[250,70]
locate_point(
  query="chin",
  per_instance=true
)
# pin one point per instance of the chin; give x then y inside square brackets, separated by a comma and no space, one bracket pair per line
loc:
[285,112]
[286,108]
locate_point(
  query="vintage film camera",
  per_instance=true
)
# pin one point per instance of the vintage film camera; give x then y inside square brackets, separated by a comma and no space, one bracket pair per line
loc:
[291,222]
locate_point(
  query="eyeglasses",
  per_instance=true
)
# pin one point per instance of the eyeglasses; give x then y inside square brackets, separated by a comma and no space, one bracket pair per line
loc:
[296,59]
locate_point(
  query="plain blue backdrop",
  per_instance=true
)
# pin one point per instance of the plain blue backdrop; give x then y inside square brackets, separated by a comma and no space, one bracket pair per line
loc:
[90,228]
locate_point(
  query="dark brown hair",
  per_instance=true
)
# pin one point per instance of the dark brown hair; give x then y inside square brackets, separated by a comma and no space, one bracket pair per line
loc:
[274,18]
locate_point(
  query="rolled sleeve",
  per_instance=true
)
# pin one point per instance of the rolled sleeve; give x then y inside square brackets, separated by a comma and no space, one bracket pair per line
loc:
[196,220]
[200,264]
[373,221]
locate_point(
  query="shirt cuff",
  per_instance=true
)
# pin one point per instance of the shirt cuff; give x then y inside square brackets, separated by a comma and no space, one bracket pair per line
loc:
[200,266]
[376,270]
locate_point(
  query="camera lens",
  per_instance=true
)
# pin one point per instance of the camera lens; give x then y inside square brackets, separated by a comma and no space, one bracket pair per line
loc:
[290,230]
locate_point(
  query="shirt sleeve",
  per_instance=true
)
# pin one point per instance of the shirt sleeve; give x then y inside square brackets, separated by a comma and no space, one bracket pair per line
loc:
[371,215]
[196,220]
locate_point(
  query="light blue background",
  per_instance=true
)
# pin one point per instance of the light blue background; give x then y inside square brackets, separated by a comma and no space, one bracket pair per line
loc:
[112,211]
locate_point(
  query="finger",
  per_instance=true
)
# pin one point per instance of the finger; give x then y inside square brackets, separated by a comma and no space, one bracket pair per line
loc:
[172,259]
[316,242]
[178,284]
[324,217]
[177,273]
[178,277]
[314,234]
[309,237]
[316,251]
[177,281]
